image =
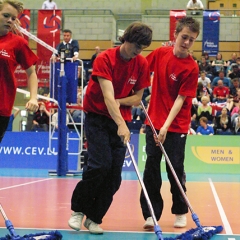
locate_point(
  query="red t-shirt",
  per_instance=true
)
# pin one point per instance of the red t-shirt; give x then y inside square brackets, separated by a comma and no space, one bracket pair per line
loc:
[14,50]
[172,77]
[126,78]
[221,91]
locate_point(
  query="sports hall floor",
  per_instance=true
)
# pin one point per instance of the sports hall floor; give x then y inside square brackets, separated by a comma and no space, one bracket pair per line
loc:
[36,202]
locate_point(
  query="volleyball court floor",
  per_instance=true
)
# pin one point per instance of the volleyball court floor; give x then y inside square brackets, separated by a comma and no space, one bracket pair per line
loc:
[36,202]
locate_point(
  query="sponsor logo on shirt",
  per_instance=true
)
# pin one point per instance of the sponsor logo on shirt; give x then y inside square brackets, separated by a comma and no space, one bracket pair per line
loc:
[132,81]
[173,77]
[4,53]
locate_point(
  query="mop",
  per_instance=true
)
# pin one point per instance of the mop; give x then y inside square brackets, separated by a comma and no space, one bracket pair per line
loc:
[201,232]
[53,235]
[157,228]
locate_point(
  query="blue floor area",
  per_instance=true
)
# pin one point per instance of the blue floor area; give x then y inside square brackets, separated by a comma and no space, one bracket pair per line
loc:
[85,235]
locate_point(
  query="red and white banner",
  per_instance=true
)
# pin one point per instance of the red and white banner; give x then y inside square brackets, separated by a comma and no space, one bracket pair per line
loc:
[20,74]
[49,25]
[175,15]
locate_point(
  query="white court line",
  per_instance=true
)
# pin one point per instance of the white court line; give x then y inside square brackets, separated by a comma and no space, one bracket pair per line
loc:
[24,184]
[226,224]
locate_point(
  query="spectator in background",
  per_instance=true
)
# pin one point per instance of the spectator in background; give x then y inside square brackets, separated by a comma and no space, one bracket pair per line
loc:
[205,81]
[220,93]
[49,5]
[202,91]
[232,60]
[195,5]
[70,46]
[206,67]
[97,51]
[204,110]
[218,65]
[223,122]
[235,72]
[237,63]
[41,119]
[226,81]
[204,128]
[12,117]
[206,55]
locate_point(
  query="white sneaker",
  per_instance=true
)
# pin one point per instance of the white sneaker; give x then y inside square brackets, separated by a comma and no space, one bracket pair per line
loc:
[75,221]
[149,224]
[92,227]
[180,221]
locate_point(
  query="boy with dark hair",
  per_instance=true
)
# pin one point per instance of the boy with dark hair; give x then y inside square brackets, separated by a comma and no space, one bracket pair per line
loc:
[174,85]
[118,80]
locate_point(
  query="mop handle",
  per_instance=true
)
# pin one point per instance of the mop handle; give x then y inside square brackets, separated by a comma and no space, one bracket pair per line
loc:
[3,213]
[30,35]
[8,223]
[158,230]
[167,159]
[39,96]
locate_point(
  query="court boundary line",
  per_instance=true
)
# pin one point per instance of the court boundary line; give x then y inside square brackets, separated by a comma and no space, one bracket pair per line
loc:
[223,216]
[24,184]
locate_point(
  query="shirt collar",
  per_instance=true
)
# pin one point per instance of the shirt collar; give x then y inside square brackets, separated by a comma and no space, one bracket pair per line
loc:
[68,42]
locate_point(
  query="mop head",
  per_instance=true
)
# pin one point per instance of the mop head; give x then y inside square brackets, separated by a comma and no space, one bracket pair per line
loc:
[203,233]
[54,235]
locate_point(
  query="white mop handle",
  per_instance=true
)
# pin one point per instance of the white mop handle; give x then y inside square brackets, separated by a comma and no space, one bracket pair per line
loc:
[39,96]
[25,32]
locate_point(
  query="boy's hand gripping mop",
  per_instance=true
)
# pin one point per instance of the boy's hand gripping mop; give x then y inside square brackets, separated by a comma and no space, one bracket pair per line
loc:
[54,235]
[200,232]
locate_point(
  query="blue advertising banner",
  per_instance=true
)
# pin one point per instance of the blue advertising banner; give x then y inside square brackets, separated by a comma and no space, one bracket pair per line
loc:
[128,165]
[31,150]
[210,39]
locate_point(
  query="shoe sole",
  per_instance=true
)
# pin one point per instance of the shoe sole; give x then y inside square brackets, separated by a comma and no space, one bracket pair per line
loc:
[179,226]
[148,227]
[96,233]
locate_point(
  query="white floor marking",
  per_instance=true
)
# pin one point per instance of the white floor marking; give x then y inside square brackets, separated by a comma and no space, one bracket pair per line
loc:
[24,184]
[226,224]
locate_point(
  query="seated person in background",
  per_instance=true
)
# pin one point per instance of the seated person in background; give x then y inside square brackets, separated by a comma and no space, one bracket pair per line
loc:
[235,72]
[55,120]
[202,91]
[204,128]
[11,119]
[206,56]
[205,81]
[97,51]
[204,110]
[223,122]
[218,64]
[194,115]
[220,93]
[230,68]
[226,81]
[41,119]
[232,60]
[234,112]
[70,46]
[234,93]
[237,122]
[206,67]
[195,5]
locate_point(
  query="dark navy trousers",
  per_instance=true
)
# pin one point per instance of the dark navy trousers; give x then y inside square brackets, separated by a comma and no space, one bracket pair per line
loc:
[101,178]
[174,146]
